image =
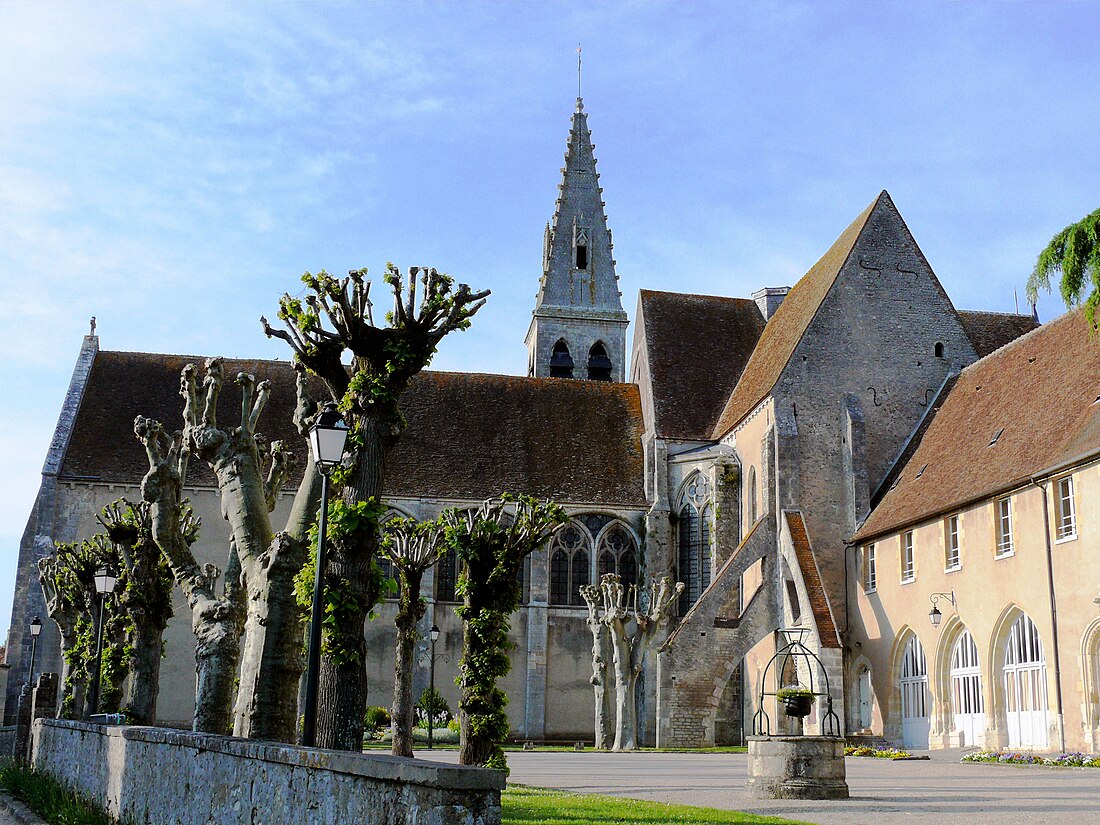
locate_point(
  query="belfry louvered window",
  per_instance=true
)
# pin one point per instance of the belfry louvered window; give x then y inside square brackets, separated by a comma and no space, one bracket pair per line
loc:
[569,565]
[561,362]
[599,365]
[694,540]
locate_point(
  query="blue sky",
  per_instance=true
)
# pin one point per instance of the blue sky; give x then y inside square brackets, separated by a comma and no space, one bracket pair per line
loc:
[173,168]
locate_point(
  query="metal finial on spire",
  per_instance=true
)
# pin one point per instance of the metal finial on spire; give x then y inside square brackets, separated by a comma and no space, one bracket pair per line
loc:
[578,77]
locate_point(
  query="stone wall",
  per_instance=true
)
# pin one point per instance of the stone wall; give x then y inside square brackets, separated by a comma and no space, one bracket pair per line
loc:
[155,775]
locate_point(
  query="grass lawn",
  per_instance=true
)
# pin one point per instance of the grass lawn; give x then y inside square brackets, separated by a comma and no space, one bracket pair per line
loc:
[523,804]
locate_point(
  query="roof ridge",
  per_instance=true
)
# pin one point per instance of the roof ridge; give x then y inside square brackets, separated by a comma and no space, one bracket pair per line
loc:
[827,269]
[1000,351]
[696,295]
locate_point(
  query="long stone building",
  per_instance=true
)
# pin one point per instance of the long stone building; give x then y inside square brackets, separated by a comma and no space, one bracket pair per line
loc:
[827,457]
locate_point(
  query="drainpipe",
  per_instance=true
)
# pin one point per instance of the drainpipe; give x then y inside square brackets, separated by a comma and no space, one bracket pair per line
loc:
[1053,617]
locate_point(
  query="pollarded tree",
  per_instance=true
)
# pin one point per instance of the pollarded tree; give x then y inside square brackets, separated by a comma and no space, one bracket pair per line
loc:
[145,595]
[412,547]
[491,542]
[216,618]
[271,659]
[633,630]
[335,317]
[68,584]
[601,666]
[1075,254]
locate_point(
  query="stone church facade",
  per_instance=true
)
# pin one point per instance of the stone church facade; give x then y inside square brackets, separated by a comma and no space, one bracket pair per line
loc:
[753,448]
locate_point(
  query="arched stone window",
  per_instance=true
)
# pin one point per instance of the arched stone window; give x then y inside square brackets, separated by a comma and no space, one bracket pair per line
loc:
[446,576]
[693,540]
[570,557]
[561,362]
[618,553]
[599,365]
[751,513]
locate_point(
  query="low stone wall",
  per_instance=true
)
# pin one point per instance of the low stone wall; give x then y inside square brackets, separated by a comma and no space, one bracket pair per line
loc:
[7,740]
[167,777]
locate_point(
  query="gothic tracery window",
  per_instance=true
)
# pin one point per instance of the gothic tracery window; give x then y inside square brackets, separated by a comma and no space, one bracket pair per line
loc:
[694,540]
[569,565]
[618,553]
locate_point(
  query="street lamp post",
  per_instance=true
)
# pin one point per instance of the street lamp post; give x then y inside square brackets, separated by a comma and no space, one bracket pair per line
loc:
[36,628]
[434,635]
[105,581]
[326,442]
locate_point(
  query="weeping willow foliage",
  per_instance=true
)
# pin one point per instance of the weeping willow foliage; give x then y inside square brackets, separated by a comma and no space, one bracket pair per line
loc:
[1074,253]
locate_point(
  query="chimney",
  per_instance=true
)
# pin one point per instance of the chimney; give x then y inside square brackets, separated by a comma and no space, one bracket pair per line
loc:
[769,298]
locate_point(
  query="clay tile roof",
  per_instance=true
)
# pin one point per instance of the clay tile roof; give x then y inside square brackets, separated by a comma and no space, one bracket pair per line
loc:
[697,346]
[468,436]
[819,602]
[989,331]
[787,326]
[1040,389]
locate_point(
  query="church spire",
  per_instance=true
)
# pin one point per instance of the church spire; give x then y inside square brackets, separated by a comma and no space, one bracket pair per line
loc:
[579,289]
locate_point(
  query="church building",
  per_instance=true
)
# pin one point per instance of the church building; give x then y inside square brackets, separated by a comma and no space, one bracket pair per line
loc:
[839,457]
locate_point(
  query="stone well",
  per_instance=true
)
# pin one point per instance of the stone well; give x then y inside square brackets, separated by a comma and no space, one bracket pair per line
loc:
[797,767]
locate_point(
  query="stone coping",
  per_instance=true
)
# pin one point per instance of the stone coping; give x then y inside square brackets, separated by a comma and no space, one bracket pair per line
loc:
[381,767]
[794,738]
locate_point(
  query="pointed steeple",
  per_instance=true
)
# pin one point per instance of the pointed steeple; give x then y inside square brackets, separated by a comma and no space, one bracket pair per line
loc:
[579,289]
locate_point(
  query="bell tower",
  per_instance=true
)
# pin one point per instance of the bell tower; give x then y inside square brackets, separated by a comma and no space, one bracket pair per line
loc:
[578,328]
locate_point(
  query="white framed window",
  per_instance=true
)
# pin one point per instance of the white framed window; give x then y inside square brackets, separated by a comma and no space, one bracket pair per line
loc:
[1067,513]
[952,559]
[1004,527]
[908,562]
[870,580]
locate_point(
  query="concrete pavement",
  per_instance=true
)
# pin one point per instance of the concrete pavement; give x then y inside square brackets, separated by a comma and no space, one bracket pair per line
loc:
[941,791]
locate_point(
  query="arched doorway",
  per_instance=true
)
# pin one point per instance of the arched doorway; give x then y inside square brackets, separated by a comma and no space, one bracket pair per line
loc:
[914,695]
[866,699]
[1025,681]
[967,703]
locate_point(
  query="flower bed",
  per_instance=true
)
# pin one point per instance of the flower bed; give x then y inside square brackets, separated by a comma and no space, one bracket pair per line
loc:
[878,753]
[1065,760]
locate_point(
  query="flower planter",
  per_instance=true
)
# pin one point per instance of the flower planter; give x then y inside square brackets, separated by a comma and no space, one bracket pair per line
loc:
[798,704]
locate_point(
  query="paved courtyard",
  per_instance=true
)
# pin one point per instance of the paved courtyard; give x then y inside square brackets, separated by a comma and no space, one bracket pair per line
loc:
[941,791]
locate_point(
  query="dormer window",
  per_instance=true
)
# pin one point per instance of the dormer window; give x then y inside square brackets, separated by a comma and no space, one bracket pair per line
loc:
[561,362]
[599,365]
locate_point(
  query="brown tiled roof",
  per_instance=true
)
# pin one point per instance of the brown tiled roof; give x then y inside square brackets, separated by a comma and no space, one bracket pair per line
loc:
[697,346]
[1040,391]
[989,331]
[819,602]
[787,326]
[468,435]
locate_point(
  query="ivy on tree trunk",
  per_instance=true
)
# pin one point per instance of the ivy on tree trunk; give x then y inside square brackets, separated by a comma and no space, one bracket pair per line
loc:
[412,547]
[492,541]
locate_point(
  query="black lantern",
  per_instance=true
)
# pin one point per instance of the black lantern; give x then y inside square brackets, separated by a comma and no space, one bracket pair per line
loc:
[934,615]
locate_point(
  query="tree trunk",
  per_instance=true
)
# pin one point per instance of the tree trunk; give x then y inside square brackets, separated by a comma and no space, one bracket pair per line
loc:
[600,667]
[410,610]
[342,692]
[626,717]
[143,686]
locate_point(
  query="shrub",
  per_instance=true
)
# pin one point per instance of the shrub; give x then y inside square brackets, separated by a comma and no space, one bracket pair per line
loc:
[432,701]
[376,718]
[454,725]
